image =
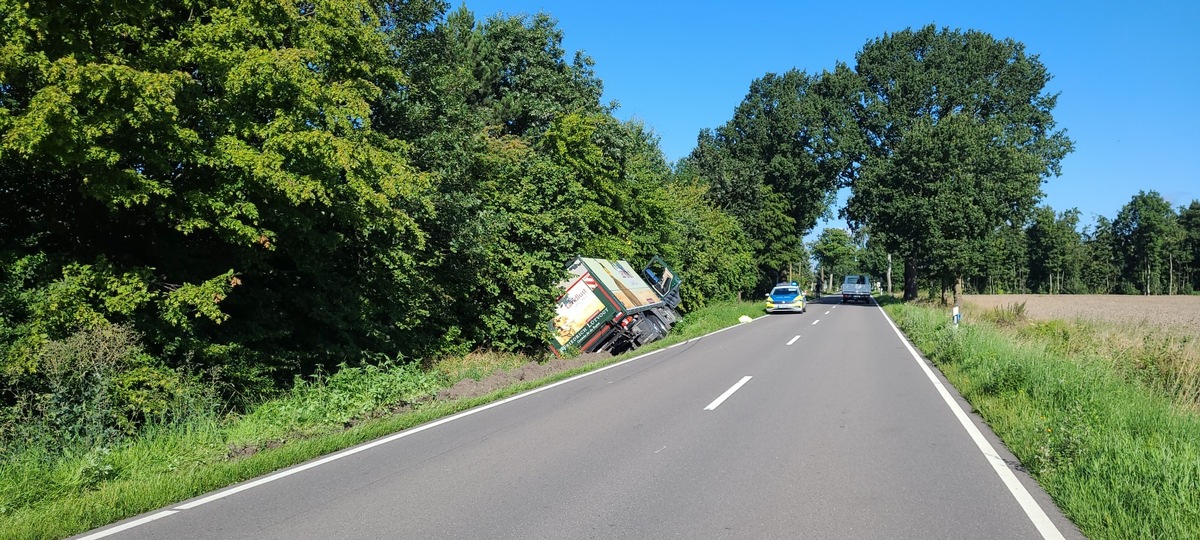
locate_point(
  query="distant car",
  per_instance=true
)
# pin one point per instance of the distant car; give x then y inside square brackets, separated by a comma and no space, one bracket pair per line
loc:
[786,297]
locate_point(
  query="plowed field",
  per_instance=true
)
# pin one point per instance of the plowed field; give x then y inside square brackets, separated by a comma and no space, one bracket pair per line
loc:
[1179,312]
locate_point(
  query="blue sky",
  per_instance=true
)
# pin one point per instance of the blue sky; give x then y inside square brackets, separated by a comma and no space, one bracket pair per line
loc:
[1128,73]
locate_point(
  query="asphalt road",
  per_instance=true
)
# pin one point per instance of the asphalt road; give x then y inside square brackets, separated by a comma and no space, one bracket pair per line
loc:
[834,430]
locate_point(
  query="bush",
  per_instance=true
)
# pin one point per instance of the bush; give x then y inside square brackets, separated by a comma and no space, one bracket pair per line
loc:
[94,388]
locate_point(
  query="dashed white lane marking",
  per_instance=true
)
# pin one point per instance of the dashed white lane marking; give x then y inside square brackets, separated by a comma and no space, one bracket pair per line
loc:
[827,313]
[816,321]
[1035,512]
[793,340]
[721,399]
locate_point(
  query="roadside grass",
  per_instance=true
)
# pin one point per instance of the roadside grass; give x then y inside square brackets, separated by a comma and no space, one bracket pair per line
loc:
[55,493]
[1105,430]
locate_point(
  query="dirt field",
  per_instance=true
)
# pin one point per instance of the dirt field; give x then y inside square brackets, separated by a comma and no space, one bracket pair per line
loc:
[1179,312]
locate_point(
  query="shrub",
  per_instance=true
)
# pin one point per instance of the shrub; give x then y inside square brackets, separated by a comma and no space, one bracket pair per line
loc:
[93,388]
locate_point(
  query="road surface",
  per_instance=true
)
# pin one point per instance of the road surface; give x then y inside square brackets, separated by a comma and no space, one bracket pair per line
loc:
[815,425]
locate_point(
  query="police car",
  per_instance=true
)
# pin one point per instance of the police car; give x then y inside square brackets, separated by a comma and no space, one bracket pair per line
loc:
[786,297]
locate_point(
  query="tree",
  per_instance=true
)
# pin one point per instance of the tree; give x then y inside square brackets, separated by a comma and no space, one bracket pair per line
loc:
[219,160]
[958,136]
[1054,250]
[872,258]
[1145,232]
[836,255]
[777,163]
[1005,265]
[1189,222]
[1102,264]
[706,243]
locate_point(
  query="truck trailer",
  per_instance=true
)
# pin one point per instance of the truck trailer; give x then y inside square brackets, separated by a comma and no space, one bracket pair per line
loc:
[606,306]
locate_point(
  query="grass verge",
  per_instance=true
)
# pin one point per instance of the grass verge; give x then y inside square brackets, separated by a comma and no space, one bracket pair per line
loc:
[1119,453]
[55,493]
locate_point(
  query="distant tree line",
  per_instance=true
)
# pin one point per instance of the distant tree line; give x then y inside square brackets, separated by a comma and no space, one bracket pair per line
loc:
[1149,247]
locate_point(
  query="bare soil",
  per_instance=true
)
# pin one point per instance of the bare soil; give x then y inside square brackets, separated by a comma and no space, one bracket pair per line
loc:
[1176,312]
[532,371]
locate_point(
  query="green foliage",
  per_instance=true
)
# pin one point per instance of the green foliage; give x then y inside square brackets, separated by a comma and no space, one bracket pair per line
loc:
[706,243]
[958,136]
[181,141]
[1055,250]
[94,388]
[1189,244]
[836,253]
[775,166]
[1146,233]
[321,403]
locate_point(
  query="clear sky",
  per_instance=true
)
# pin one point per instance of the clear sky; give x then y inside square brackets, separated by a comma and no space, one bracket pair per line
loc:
[1128,73]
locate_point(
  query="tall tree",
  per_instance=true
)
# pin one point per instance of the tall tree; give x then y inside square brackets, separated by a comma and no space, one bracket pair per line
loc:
[958,136]
[221,160]
[1005,267]
[1189,222]
[1144,231]
[1102,263]
[1055,249]
[778,162]
[836,255]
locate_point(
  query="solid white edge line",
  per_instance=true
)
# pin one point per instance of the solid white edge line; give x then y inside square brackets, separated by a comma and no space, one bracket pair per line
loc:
[1038,516]
[793,340]
[127,526]
[721,399]
[366,446]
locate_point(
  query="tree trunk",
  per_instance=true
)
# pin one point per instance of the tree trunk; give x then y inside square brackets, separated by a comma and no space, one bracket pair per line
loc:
[910,280]
[889,274]
[943,291]
[958,292]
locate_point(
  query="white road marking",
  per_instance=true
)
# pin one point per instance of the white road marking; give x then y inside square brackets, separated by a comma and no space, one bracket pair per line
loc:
[827,313]
[379,442]
[660,450]
[721,399]
[130,525]
[793,340]
[1028,504]
[816,321]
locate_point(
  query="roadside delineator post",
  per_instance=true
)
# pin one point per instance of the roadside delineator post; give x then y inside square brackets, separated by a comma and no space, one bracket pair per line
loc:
[956,316]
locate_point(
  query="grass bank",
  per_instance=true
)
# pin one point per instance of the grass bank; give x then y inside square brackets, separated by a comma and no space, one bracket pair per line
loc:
[57,492]
[1109,432]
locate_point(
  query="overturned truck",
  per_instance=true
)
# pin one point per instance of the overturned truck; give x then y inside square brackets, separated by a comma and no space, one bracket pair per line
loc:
[607,306]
